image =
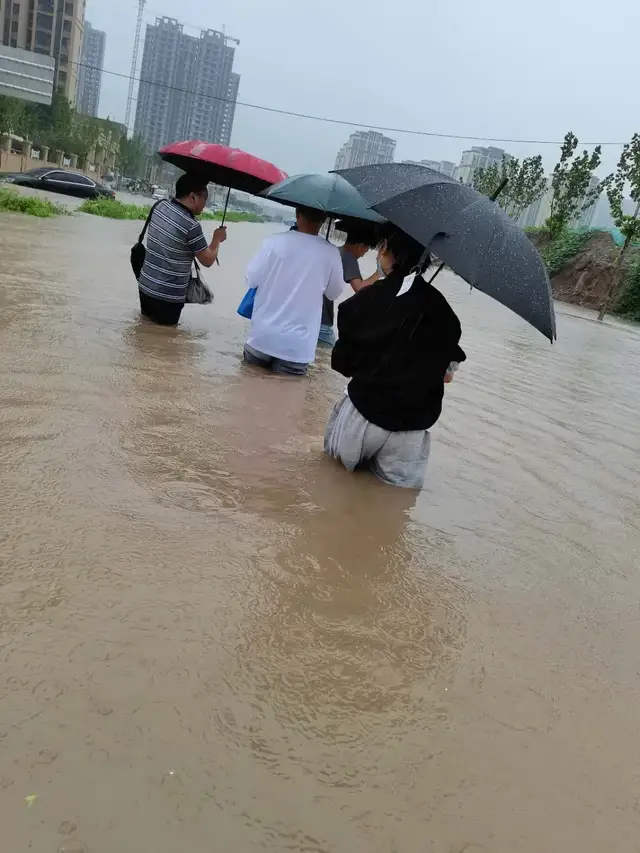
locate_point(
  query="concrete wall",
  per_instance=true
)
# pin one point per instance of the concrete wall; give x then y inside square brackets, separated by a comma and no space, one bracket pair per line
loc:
[12,162]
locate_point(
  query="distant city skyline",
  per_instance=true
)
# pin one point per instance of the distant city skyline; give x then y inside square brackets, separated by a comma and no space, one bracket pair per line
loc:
[496,108]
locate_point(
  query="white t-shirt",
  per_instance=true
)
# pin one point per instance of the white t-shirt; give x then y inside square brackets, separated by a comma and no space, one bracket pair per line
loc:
[292,272]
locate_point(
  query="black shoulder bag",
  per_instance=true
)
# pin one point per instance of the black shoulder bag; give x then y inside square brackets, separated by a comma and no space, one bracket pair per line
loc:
[138,252]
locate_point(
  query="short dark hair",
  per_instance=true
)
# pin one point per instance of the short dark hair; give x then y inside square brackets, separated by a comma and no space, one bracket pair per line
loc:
[408,253]
[187,184]
[364,233]
[361,235]
[310,213]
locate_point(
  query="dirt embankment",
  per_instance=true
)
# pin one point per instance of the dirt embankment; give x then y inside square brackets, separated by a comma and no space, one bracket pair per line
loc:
[585,279]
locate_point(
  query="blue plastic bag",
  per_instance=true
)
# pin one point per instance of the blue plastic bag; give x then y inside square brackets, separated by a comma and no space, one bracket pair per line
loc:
[245,309]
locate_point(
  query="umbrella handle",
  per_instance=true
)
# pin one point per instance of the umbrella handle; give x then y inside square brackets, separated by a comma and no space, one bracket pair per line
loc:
[224,216]
[226,205]
[436,273]
[494,195]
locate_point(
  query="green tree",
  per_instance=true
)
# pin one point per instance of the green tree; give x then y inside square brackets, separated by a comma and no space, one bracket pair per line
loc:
[486,180]
[572,192]
[627,176]
[16,117]
[526,183]
[132,156]
[85,134]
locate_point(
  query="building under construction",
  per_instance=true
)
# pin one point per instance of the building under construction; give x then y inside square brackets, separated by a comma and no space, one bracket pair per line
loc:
[188,88]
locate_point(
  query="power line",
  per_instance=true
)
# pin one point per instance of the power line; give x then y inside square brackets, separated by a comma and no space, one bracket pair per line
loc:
[327,120]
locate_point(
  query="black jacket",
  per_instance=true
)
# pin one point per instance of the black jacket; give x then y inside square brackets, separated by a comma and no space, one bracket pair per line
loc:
[396,350]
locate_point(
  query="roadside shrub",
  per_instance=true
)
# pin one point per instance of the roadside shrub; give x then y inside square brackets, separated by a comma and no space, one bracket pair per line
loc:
[13,202]
[113,209]
[628,305]
[559,252]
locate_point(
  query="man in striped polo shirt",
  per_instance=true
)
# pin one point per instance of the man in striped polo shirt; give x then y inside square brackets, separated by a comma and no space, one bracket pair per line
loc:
[174,239]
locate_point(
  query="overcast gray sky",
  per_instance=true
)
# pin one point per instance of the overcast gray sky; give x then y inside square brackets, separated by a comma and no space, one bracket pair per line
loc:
[502,68]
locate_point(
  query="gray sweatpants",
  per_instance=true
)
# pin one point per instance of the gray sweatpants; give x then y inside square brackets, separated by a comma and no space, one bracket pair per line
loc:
[397,458]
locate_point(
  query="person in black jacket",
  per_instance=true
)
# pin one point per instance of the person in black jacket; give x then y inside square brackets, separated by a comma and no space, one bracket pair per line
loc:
[398,342]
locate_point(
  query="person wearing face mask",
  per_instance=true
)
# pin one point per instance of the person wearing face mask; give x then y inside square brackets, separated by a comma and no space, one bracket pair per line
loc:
[359,241]
[398,343]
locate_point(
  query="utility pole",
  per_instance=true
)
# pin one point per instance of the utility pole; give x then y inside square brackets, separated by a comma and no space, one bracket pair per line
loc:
[134,63]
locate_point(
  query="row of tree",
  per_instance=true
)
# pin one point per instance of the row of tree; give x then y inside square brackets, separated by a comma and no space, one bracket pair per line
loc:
[59,126]
[572,192]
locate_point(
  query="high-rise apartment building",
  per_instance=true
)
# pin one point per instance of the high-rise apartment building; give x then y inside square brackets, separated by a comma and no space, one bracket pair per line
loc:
[50,27]
[479,158]
[365,148]
[188,89]
[90,77]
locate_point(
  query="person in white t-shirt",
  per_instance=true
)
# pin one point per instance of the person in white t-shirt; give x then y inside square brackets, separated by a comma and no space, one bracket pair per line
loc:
[291,274]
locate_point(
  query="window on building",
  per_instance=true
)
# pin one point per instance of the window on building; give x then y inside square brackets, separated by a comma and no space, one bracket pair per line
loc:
[68,7]
[43,22]
[43,42]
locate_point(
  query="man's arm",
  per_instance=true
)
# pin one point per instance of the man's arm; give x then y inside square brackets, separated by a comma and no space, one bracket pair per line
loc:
[358,283]
[353,275]
[208,256]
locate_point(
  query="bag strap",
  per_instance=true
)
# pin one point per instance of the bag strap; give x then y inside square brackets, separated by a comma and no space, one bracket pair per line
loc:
[146,224]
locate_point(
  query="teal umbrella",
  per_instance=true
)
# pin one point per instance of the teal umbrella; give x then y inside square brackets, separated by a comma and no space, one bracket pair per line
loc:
[329,193]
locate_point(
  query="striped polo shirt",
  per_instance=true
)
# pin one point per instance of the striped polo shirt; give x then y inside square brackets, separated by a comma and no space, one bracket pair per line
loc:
[173,239]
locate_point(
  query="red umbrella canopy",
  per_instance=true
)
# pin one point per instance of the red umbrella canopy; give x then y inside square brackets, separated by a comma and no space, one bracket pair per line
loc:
[219,164]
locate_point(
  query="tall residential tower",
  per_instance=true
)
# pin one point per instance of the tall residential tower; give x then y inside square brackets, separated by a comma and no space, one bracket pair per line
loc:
[90,77]
[478,157]
[50,27]
[364,148]
[188,88]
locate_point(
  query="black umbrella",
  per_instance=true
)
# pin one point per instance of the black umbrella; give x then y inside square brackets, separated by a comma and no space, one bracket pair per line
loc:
[466,230]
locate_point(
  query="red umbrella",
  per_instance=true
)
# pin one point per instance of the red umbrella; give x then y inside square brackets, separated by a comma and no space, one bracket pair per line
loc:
[228,167]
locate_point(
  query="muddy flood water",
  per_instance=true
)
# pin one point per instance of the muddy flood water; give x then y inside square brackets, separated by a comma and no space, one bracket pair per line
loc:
[214,639]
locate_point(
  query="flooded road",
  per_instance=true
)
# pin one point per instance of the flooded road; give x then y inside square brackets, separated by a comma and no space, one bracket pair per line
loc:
[212,638]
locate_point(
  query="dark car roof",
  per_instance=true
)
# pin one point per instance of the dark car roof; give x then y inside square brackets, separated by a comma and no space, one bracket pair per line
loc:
[44,170]
[41,170]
